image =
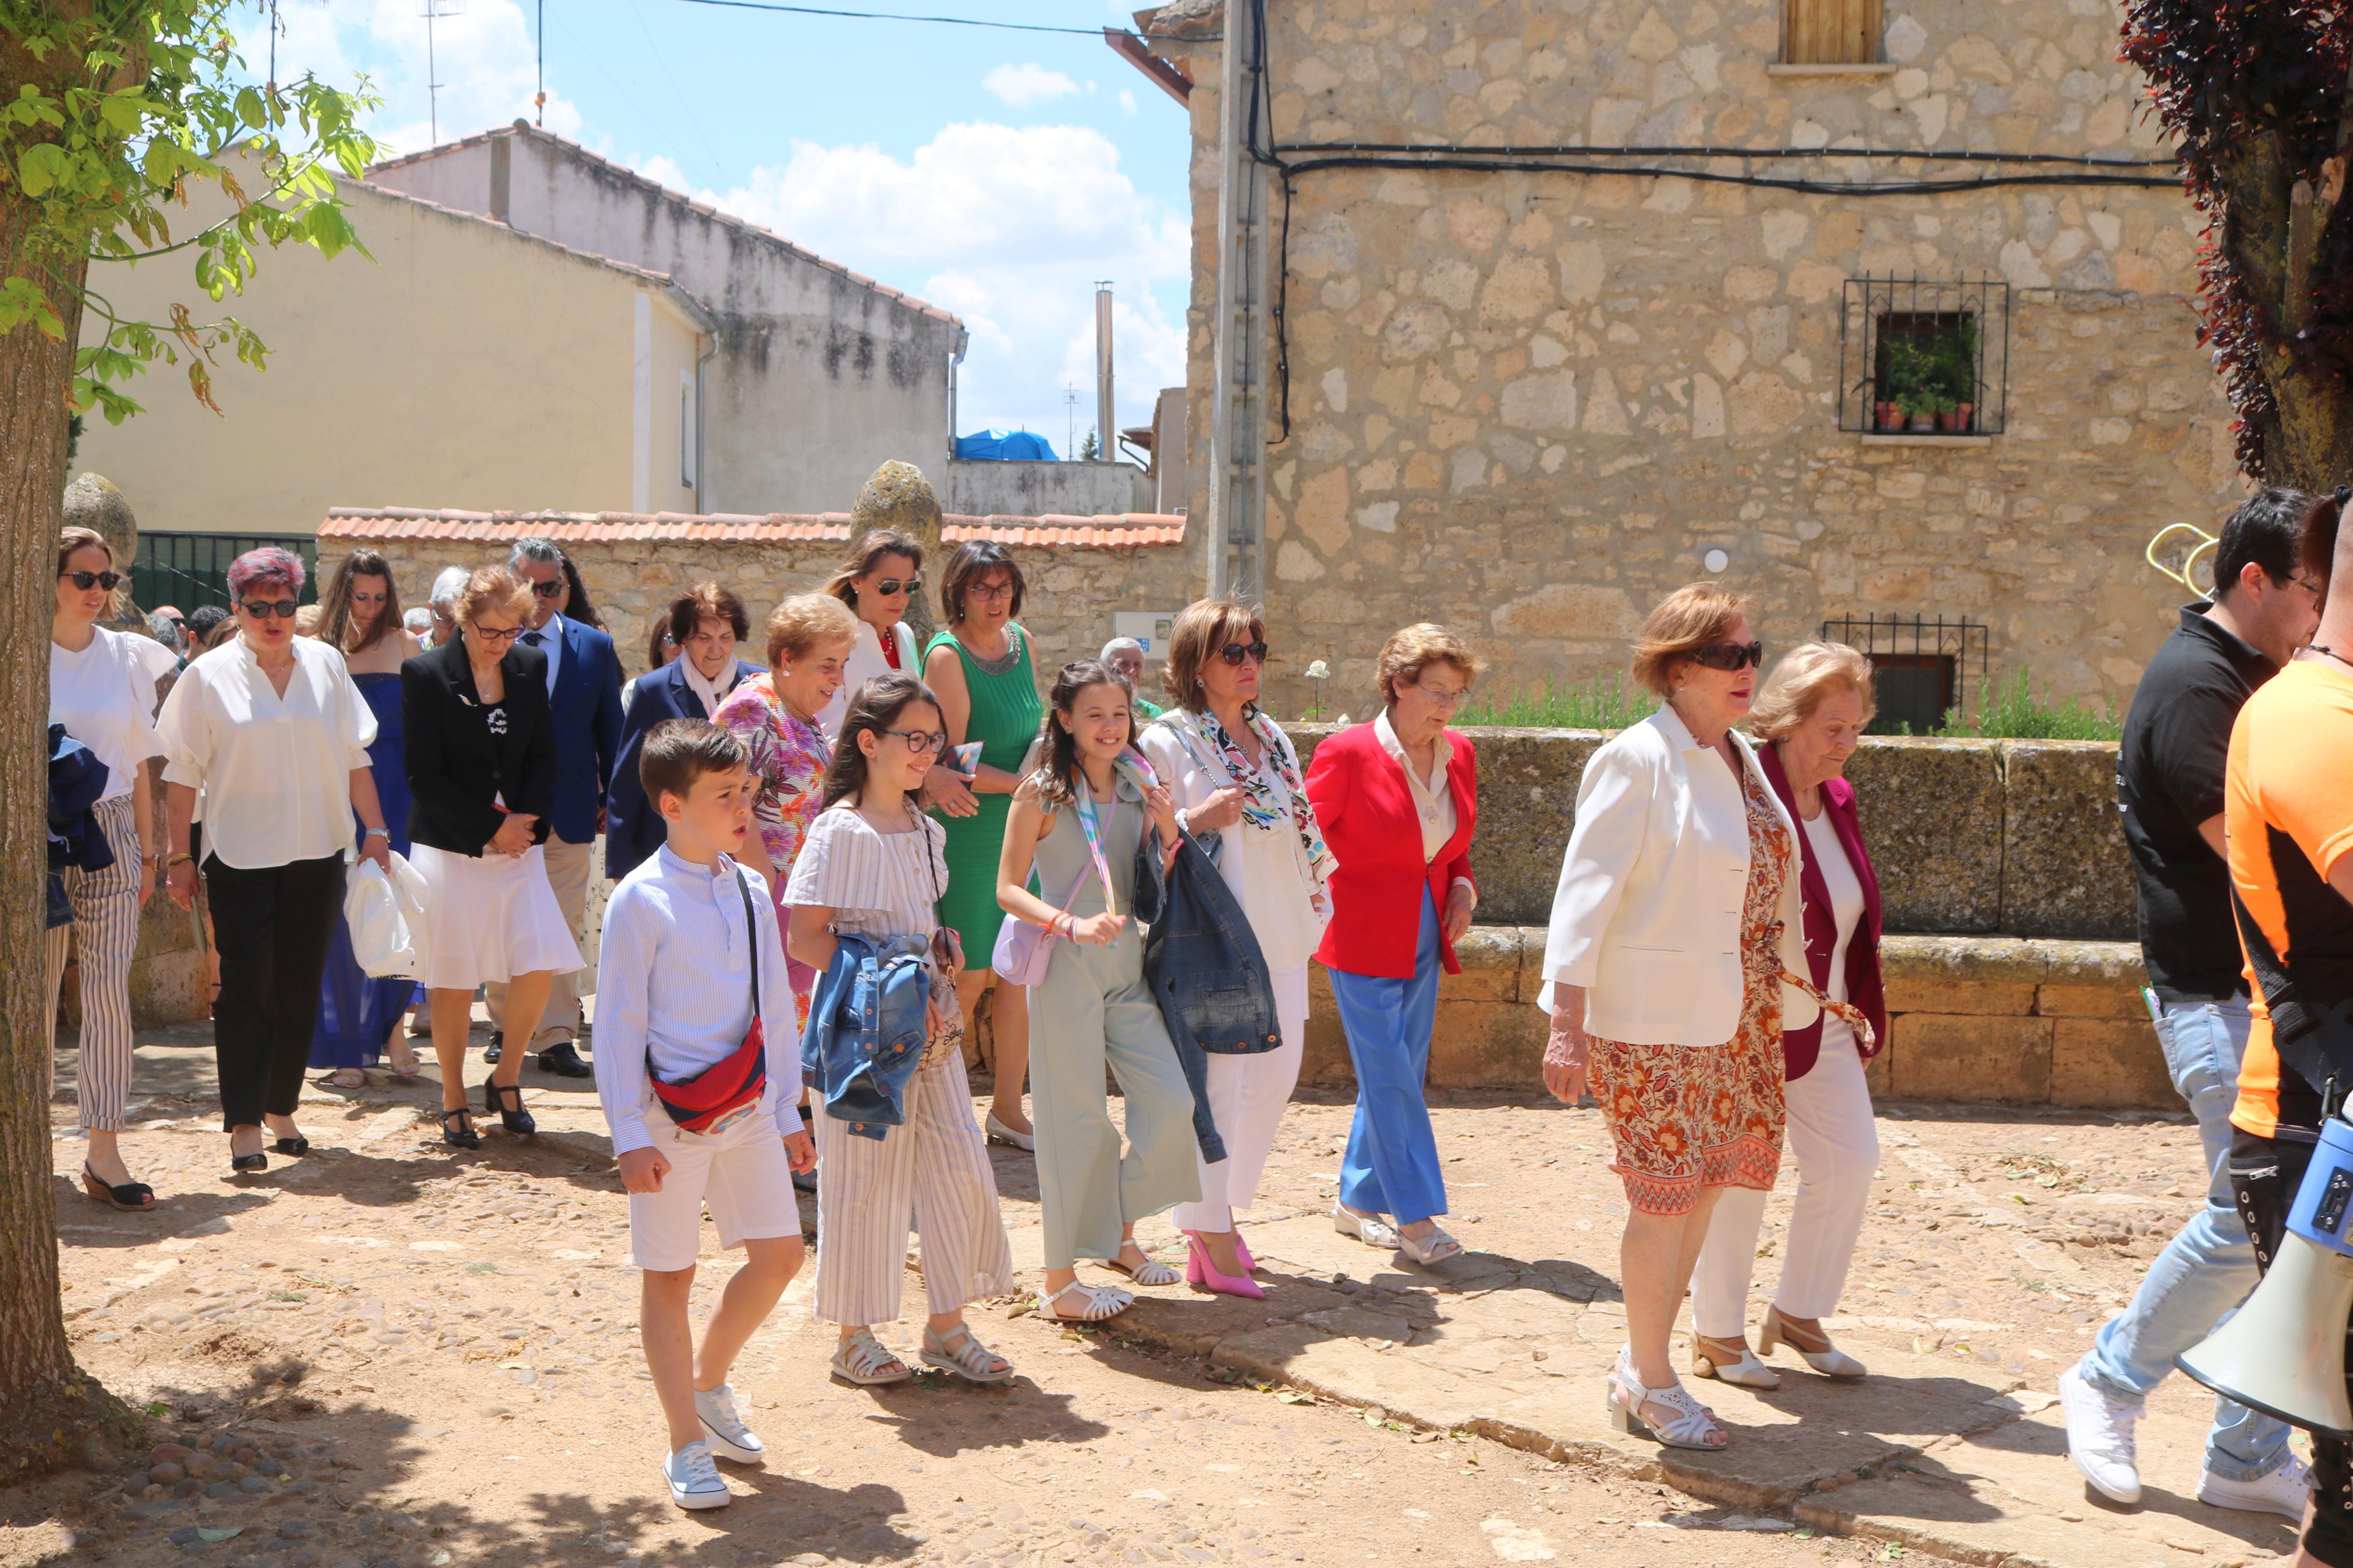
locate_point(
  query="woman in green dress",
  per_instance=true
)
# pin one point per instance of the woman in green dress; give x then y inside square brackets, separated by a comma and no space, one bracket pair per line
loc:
[979,667]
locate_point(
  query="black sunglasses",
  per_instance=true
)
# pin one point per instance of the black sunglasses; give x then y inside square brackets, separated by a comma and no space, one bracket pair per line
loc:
[86,580]
[890,585]
[549,589]
[1730,656]
[1235,652]
[262,609]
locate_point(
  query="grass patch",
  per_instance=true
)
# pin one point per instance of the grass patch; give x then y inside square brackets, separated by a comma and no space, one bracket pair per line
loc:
[2012,710]
[1595,704]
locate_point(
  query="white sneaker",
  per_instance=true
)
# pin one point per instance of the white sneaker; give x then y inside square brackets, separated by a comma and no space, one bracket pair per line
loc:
[2100,1436]
[723,1428]
[695,1480]
[2284,1492]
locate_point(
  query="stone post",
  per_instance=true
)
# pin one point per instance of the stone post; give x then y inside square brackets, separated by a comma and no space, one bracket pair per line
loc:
[92,503]
[899,497]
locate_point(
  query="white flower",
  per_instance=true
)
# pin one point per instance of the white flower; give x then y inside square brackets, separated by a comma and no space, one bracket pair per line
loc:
[1319,671]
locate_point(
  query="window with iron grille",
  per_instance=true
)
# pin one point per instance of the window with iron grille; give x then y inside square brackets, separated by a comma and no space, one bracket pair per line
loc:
[189,571]
[1923,357]
[1829,32]
[1921,665]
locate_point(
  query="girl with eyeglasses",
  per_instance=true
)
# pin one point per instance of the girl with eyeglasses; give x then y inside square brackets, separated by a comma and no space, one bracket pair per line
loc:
[872,866]
[1234,776]
[879,579]
[273,731]
[103,690]
[1668,992]
[360,1017]
[987,688]
[482,768]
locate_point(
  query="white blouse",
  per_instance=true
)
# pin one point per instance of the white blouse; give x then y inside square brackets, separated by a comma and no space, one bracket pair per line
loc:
[877,884]
[275,771]
[1824,849]
[864,663]
[1266,868]
[105,697]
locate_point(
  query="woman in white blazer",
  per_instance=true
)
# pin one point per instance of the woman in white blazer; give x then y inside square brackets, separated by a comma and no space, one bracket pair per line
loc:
[1677,917]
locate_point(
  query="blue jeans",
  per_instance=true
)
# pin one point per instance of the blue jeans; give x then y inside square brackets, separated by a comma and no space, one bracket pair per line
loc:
[2206,1270]
[1391,1166]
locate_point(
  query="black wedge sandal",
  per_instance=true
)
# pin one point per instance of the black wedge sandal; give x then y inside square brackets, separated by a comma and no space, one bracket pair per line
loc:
[495,1096]
[298,1145]
[460,1134]
[131,1198]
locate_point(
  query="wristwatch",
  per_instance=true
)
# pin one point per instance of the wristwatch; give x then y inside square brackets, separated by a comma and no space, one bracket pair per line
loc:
[377,833]
[171,860]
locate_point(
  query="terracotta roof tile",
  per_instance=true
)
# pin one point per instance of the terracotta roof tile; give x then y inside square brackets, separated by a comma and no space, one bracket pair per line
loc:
[1110,531]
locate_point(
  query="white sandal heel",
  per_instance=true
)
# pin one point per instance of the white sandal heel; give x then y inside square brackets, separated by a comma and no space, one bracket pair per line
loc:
[1829,1361]
[1435,1247]
[1101,1301]
[1369,1228]
[1149,1272]
[1687,1425]
[1745,1373]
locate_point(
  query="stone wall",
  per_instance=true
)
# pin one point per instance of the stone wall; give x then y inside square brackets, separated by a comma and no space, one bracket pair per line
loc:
[1529,404]
[1020,489]
[1985,1020]
[1968,837]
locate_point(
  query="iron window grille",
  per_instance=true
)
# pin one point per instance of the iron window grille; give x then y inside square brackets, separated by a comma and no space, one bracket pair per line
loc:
[1922,664]
[189,571]
[1923,356]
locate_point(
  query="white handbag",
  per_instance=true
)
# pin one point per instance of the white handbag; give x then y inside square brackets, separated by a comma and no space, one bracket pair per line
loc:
[386,916]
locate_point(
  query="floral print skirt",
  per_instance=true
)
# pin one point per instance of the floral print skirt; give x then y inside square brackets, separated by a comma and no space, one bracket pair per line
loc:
[1683,1118]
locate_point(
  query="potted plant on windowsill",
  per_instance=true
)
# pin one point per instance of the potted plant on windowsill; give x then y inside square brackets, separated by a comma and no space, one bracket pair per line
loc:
[1920,412]
[1886,416]
[1954,418]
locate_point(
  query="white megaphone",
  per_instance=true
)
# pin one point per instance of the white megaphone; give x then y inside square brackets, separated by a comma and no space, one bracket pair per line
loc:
[2284,1353]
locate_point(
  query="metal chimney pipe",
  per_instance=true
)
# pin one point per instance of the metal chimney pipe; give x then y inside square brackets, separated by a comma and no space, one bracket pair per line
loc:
[1106,437]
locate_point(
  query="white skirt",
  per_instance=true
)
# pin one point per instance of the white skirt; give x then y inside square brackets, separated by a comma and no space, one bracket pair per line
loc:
[488,918]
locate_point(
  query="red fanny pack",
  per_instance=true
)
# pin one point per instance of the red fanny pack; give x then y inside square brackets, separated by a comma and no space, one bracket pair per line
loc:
[701,1102]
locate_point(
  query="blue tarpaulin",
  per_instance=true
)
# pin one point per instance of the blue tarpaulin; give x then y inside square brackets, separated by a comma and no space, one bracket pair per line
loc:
[1005,447]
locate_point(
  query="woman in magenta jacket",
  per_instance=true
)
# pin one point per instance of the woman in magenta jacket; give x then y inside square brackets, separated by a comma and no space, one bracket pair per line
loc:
[1398,799]
[1810,713]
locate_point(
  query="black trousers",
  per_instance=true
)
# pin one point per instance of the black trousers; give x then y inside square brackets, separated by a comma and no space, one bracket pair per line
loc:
[272,926]
[2265,1174]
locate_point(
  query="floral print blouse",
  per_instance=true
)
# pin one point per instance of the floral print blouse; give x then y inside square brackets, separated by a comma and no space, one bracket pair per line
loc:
[788,757]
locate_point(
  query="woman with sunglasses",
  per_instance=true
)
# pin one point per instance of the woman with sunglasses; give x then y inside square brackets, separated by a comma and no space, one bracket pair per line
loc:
[482,779]
[1233,773]
[360,1017]
[877,580]
[1670,993]
[980,668]
[272,729]
[103,690]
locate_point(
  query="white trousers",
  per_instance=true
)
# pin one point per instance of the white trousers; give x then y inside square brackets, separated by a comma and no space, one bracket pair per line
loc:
[105,932]
[1836,1145]
[1248,1095]
[934,1167]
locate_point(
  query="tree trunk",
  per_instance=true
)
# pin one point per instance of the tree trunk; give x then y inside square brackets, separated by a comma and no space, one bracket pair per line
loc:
[2307,431]
[55,1412]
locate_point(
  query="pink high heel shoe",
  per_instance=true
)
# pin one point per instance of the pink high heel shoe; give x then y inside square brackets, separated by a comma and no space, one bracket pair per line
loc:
[1201,1271]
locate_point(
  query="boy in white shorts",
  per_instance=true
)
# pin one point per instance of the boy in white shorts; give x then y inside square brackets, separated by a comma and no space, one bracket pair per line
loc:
[697,1046]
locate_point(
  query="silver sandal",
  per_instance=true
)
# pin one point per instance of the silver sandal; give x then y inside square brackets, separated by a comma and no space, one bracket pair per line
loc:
[972,1362]
[1635,1410]
[862,1357]
[1101,1301]
[1435,1247]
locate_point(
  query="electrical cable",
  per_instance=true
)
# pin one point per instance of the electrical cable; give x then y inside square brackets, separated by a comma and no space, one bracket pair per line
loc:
[935,21]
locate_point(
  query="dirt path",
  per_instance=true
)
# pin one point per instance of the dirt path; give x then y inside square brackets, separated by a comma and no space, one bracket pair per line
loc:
[414,1359]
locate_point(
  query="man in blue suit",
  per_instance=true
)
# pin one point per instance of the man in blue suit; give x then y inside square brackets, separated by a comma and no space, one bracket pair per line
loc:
[706,623]
[583,687]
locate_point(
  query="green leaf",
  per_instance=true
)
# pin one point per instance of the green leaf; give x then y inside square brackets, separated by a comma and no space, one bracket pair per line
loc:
[252,110]
[206,1532]
[40,167]
[124,112]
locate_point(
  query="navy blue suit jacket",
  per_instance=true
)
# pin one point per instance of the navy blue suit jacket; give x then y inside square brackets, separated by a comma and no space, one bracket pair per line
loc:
[586,704]
[634,827]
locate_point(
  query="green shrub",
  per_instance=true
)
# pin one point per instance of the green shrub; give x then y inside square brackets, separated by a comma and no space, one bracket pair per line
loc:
[2011,712]
[1595,704]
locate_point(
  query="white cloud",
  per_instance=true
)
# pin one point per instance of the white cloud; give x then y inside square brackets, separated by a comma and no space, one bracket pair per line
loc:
[1127,103]
[1008,228]
[1028,84]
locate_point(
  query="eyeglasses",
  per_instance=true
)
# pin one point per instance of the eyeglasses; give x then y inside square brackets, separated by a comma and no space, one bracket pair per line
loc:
[86,580]
[890,587]
[2316,588]
[1439,696]
[923,743]
[493,633]
[1235,652]
[991,591]
[262,609]
[1730,656]
[549,589]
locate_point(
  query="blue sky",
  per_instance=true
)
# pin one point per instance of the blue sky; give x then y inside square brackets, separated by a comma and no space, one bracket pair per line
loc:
[995,173]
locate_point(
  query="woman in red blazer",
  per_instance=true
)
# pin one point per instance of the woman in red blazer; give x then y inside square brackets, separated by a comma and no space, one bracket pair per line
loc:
[1398,799]
[1810,712]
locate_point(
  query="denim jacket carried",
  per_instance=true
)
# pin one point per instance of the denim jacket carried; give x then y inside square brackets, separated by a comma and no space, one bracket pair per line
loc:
[1204,966]
[866,1029]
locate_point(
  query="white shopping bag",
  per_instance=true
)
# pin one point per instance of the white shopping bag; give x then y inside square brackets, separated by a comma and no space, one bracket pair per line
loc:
[386,915]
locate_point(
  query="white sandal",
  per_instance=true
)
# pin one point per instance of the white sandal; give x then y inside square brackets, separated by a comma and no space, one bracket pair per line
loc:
[1435,1247]
[1829,1361]
[1151,1271]
[862,1357]
[1101,1301]
[1369,1228]
[1745,1373]
[1687,1425]
[972,1362]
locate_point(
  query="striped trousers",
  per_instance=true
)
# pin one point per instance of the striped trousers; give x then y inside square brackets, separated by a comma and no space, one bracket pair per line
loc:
[105,931]
[937,1168]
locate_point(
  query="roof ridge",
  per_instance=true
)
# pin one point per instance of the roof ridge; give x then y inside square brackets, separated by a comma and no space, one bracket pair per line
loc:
[681,198]
[1102,530]
[599,258]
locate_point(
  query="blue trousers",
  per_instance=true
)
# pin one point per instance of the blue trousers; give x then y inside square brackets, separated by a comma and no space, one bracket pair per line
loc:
[1391,1166]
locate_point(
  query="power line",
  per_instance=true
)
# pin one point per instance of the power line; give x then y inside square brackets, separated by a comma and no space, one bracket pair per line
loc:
[935,21]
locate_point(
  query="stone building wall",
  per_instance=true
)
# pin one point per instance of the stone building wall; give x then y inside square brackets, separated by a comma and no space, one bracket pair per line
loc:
[1529,404]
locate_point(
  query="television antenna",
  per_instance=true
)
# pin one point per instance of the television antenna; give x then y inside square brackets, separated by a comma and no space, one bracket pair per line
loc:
[1071,424]
[429,10]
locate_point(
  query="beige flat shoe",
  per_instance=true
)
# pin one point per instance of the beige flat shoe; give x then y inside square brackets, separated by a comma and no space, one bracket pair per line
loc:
[1711,1358]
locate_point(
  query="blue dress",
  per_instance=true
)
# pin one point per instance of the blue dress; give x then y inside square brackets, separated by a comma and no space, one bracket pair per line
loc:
[357,1014]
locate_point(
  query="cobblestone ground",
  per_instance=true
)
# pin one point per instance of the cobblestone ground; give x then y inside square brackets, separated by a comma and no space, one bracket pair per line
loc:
[381,1353]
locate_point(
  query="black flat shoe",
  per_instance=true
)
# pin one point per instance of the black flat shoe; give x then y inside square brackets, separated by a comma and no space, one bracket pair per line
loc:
[496,1048]
[246,1164]
[458,1133]
[563,1061]
[497,1096]
[298,1145]
[131,1198]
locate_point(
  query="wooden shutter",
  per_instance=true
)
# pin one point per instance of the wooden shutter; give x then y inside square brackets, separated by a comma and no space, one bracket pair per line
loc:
[1829,32]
